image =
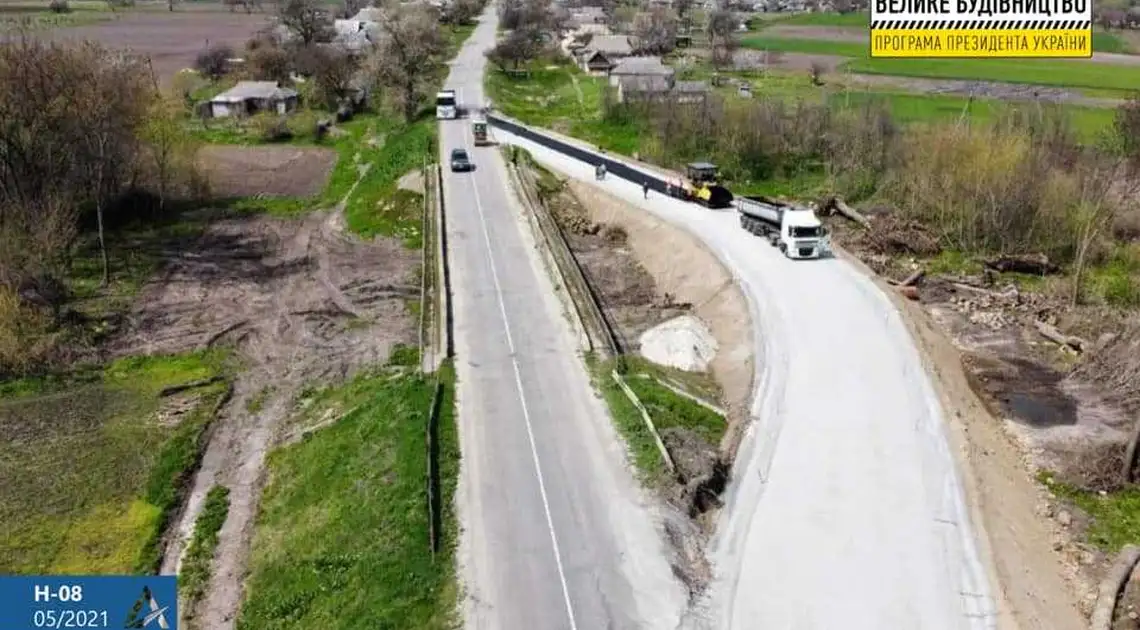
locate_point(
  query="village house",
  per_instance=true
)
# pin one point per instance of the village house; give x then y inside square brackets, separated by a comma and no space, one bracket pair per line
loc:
[251,97]
[638,67]
[603,52]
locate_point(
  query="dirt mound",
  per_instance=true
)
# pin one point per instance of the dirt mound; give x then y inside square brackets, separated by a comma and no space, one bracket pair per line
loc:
[1116,366]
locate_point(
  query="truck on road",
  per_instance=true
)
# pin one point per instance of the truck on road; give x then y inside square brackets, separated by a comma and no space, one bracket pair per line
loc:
[446,104]
[796,231]
[479,131]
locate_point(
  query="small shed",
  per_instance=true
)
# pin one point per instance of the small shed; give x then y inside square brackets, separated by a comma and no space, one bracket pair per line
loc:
[251,97]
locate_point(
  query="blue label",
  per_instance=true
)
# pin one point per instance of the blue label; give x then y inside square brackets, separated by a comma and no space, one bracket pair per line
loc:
[89,601]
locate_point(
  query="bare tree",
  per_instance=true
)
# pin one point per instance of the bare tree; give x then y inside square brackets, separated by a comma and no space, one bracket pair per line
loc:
[518,47]
[462,11]
[170,148]
[406,58]
[214,62]
[537,14]
[351,7]
[722,27]
[269,62]
[307,19]
[332,72]
[656,31]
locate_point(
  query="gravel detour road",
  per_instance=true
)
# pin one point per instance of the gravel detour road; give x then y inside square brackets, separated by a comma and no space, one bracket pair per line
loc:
[556,533]
[845,509]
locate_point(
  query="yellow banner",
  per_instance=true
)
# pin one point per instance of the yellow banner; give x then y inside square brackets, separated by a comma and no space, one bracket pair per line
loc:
[981,43]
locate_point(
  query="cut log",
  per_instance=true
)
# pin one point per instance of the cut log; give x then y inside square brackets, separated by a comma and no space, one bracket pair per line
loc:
[1059,338]
[1036,264]
[1111,586]
[835,205]
[914,278]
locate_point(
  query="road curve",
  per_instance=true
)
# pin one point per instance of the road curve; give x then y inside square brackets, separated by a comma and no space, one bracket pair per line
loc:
[845,509]
[556,533]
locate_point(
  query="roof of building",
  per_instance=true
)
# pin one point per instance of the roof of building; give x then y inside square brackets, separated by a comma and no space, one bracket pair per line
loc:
[246,90]
[610,44]
[642,65]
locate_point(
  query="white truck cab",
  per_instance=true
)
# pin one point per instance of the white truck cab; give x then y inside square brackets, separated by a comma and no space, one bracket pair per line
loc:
[795,230]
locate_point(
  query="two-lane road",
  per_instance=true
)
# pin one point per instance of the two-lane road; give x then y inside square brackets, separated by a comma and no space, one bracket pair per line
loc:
[556,533]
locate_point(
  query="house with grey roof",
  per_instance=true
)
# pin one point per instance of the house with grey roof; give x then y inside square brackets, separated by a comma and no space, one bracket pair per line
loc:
[251,97]
[603,51]
[638,67]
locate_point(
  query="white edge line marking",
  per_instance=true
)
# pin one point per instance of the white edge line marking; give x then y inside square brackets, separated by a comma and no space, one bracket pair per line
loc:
[522,396]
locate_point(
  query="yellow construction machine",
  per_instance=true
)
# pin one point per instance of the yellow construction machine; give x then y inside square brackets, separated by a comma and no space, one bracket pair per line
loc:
[700,186]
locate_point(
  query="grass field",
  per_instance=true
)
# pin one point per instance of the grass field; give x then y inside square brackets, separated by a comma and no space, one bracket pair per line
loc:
[342,538]
[1102,79]
[93,463]
[561,97]
[564,99]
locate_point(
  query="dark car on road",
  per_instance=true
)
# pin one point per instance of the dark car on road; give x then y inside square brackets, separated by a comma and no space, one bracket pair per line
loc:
[460,161]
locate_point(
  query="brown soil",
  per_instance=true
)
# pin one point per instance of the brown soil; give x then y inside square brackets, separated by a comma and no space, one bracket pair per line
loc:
[172,40]
[628,293]
[679,266]
[830,33]
[278,171]
[300,301]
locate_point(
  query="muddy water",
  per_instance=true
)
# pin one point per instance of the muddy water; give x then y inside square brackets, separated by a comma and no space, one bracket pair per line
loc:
[1029,393]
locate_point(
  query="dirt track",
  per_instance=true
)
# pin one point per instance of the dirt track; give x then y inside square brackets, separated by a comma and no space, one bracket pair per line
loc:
[301,301]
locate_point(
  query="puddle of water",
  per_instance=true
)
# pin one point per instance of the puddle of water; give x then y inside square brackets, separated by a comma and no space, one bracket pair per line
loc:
[1041,410]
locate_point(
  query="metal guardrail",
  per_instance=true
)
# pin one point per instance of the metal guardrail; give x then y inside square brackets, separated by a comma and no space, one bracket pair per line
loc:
[569,268]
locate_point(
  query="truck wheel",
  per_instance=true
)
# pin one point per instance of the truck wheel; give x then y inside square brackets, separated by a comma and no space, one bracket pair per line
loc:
[784,248]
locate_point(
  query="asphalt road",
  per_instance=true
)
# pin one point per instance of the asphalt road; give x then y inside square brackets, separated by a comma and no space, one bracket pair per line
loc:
[845,509]
[556,532]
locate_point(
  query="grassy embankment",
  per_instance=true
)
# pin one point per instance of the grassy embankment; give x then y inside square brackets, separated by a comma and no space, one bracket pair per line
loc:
[93,463]
[343,529]
[665,407]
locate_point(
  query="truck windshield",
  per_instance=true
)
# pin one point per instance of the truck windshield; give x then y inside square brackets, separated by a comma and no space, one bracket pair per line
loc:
[805,232]
[445,101]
